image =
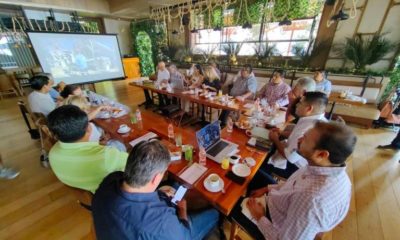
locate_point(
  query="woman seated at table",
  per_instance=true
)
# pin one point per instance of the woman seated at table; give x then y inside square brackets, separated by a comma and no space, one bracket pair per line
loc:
[97,134]
[211,80]
[197,78]
[71,89]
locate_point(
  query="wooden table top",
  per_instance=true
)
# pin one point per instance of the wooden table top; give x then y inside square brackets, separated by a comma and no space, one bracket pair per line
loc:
[224,202]
[335,97]
[179,93]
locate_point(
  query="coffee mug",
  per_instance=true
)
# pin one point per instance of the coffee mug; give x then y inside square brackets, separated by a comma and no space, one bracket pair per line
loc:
[123,127]
[213,180]
[234,159]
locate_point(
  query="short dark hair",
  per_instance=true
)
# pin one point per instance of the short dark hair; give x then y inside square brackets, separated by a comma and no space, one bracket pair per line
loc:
[198,67]
[248,68]
[145,160]
[281,72]
[37,82]
[68,90]
[316,99]
[68,123]
[338,139]
[322,71]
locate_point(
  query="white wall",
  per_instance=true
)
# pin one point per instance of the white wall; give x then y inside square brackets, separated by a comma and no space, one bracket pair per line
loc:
[369,23]
[122,28]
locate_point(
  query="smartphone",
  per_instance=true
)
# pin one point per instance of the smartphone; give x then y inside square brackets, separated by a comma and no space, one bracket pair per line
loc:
[180,193]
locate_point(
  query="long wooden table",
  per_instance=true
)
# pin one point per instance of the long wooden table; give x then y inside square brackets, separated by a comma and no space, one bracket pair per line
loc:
[335,97]
[224,202]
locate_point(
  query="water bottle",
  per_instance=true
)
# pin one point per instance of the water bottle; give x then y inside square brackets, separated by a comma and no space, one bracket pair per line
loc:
[202,156]
[138,115]
[170,131]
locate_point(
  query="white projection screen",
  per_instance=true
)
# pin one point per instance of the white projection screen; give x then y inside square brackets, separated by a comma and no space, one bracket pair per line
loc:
[77,57]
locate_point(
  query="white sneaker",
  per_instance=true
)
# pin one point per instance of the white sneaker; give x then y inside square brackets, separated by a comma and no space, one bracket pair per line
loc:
[8,173]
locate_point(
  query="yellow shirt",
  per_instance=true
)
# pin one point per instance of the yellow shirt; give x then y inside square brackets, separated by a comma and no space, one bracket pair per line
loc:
[84,164]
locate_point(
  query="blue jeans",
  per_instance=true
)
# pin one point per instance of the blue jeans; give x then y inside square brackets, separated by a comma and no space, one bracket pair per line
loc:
[201,224]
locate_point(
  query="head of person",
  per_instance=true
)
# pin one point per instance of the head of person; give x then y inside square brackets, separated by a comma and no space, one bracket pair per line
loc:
[214,65]
[319,75]
[198,69]
[161,66]
[246,71]
[69,124]
[303,85]
[172,68]
[278,76]
[41,83]
[79,101]
[146,165]
[71,89]
[312,103]
[327,144]
[210,73]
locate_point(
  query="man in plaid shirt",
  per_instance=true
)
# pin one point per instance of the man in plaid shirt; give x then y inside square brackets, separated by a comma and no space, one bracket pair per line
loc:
[314,199]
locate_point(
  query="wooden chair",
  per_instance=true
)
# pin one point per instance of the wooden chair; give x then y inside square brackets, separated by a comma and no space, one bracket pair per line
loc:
[29,119]
[6,86]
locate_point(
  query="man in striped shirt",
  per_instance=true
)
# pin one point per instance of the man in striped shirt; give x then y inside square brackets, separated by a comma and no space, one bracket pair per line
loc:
[314,199]
[276,91]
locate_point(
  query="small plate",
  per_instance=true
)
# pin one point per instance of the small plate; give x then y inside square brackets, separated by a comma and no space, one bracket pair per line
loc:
[104,115]
[250,161]
[211,189]
[241,170]
[120,131]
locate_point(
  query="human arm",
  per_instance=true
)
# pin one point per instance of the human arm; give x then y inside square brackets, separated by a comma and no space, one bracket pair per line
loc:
[274,137]
[328,88]
[182,210]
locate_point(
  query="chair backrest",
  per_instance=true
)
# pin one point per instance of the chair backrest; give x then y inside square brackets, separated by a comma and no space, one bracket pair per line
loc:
[48,139]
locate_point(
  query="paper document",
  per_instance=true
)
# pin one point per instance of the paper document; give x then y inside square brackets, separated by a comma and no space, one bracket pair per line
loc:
[145,137]
[192,173]
[246,211]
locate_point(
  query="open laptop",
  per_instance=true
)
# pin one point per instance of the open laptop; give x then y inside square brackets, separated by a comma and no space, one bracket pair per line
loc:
[216,148]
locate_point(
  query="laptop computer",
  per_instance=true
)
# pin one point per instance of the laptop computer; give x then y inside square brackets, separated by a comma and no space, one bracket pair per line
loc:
[209,137]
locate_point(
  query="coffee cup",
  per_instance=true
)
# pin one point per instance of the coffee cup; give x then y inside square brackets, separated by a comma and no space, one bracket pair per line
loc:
[234,159]
[213,180]
[123,127]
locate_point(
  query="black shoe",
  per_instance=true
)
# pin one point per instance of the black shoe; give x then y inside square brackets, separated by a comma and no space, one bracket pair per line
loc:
[389,146]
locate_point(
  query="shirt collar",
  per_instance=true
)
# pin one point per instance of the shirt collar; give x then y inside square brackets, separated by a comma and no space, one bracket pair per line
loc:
[77,144]
[313,117]
[140,197]
[325,171]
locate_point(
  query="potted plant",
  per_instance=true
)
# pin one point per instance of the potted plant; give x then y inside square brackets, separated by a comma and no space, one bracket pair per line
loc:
[264,52]
[232,50]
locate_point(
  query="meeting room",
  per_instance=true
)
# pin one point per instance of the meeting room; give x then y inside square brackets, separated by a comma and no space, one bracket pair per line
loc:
[200,119]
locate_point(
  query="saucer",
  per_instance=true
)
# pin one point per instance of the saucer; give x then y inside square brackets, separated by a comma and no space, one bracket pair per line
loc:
[104,115]
[241,170]
[250,161]
[213,189]
[120,131]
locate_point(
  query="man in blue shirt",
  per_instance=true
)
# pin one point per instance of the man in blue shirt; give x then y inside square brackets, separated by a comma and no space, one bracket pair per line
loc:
[322,84]
[127,205]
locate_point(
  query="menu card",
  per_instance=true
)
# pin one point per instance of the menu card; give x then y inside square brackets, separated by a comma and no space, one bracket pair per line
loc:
[145,137]
[192,173]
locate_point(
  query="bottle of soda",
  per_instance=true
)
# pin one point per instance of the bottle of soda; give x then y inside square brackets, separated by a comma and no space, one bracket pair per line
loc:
[202,156]
[171,132]
[138,115]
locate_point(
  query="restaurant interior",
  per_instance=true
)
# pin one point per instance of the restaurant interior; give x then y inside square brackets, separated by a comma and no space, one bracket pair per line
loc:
[240,94]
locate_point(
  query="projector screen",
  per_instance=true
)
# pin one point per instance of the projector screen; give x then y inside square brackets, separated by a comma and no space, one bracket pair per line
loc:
[78,58]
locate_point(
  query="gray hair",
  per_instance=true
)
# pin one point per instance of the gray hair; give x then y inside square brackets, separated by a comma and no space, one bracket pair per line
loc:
[172,66]
[306,83]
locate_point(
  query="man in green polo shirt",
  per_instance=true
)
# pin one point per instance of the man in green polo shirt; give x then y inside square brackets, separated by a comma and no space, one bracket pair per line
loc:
[76,161]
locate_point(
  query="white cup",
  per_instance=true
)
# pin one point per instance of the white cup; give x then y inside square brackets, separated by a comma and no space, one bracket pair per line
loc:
[213,180]
[234,159]
[123,127]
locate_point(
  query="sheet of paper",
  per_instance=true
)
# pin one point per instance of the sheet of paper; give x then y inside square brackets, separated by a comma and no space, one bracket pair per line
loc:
[192,173]
[245,209]
[145,137]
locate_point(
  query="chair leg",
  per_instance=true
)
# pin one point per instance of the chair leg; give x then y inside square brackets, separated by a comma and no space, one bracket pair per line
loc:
[234,229]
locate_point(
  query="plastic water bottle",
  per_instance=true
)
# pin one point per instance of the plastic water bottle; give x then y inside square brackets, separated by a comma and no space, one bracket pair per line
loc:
[202,156]
[171,132]
[138,115]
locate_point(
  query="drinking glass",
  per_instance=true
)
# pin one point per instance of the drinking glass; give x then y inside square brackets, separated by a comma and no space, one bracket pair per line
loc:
[189,153]
[225,163]
[178,139]
[230,125]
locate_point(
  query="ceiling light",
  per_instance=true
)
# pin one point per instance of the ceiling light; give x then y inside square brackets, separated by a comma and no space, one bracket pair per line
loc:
[340,16]
[285,21]
[175,32]
[247,25]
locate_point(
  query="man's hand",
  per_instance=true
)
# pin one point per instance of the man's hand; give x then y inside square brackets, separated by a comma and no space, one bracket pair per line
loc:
[240,98]
[182,209]
[257,210]
[259,192]
[274,136]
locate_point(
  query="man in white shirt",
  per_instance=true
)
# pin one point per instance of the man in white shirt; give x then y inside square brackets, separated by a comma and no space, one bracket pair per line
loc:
[315,199]
[285,161]
[163,77]
[40,100]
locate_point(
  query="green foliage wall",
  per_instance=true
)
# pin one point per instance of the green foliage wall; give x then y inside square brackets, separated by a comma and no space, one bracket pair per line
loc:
[145,53]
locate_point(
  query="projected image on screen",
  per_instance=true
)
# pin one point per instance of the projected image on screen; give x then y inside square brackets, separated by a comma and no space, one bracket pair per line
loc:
[78,58]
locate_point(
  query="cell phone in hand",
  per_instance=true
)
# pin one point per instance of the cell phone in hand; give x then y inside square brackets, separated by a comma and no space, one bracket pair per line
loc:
[180,193]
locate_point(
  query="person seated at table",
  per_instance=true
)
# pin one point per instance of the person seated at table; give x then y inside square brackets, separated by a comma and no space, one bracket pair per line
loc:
[276,91]
[211,80]
[40,100]
[284,161]
[322,84]
[244,87]
[75,160]
[71,89]
[313,200]
[176,78]
[54,91]
[128,206]
[197,78]
[303,85]
[215,66]
[163,77]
